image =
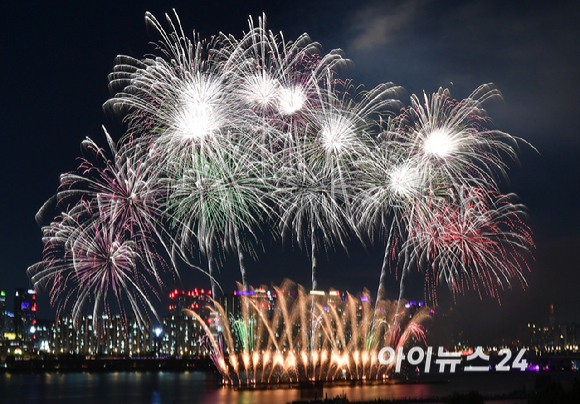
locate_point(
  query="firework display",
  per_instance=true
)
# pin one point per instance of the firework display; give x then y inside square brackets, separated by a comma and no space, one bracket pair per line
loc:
[229,139]
[289,335]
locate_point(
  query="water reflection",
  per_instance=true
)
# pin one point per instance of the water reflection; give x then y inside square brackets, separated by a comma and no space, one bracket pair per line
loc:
[202,388]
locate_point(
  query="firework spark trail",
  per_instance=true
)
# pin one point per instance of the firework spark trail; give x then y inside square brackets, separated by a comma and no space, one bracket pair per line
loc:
[231,139]
[122,191]
[212,199]
[87,259]
[423,151]
[276,80]
[178,105]
[392,184]
[268,71]
[473,237]
[310,209]
[105,197]
[450,142]
[316,184]
[186,106]
[273,346]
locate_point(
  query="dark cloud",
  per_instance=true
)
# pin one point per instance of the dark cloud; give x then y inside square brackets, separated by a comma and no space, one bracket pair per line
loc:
[379,24]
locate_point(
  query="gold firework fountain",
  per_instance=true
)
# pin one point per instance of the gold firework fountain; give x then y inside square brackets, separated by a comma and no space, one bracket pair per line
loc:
[288,335]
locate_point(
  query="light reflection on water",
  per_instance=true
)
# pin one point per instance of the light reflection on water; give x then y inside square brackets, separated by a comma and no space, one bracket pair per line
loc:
[201,388]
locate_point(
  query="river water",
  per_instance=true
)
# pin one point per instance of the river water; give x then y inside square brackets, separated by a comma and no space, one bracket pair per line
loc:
[201,388]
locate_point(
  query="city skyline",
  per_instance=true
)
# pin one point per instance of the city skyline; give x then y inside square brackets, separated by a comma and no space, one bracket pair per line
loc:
[180,330]
[540,177]
[445,327]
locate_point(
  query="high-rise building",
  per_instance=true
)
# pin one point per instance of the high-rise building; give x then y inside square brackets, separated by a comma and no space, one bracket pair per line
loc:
[182,331]
[24,316]
[42,331]
[262,298]
[2,313]
[112,335]
[9,324]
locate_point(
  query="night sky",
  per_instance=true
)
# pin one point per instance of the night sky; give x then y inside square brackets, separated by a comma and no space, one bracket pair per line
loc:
[56,57]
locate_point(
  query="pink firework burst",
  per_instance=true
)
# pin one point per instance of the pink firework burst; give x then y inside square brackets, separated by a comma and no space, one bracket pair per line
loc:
[471,238]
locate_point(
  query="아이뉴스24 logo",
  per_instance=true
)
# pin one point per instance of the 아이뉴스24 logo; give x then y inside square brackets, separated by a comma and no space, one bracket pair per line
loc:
[450,360]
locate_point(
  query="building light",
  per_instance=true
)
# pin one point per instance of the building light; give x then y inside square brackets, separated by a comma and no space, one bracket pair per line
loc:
[243,292]
[318,292]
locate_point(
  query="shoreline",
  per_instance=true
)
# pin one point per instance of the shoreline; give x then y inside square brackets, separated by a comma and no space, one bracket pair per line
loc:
[107,364]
